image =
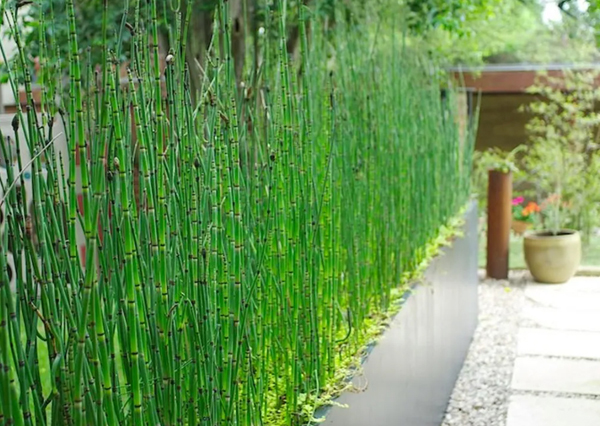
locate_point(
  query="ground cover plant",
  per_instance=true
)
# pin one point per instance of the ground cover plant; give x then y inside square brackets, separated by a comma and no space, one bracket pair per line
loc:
[240,249]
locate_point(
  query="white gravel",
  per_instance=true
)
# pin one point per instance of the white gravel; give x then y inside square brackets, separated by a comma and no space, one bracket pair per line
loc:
[482,392]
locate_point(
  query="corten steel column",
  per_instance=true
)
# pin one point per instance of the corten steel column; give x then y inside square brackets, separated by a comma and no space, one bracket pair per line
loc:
[499,221]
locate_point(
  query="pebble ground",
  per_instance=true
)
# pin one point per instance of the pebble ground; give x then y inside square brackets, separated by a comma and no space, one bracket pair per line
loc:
[482,392]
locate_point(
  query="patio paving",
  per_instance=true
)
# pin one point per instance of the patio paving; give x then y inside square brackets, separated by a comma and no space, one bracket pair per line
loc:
[562,319]
[556,376]
[535,356]
[528,410]
[559,343]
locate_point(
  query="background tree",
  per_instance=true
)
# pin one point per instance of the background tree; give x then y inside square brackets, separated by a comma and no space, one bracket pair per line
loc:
[508,31]
[467,32]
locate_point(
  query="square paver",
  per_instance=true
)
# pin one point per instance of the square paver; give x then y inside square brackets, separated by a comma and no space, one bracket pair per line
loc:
[585,284]
[557,375]
[563,319]
[526,410]
[562,343]
[579,295]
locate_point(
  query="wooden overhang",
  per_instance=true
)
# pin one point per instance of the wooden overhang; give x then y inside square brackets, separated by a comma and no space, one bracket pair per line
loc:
[510,78]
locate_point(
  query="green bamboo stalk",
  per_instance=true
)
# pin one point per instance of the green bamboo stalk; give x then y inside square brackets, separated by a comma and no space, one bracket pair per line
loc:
[273,230]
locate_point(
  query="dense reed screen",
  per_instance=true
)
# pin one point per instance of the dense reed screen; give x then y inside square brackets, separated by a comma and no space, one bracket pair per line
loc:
[242,243]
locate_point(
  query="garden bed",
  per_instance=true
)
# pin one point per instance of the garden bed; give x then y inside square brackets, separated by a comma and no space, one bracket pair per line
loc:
[408,376]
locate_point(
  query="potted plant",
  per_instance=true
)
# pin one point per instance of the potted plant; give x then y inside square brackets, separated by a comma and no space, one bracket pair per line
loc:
[523,217]
[553,254]
[563,161]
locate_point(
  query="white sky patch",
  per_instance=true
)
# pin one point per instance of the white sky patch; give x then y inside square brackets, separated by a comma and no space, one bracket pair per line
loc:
[552,13]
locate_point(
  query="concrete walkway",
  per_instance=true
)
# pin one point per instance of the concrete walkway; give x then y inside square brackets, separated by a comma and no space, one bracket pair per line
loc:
[556,376]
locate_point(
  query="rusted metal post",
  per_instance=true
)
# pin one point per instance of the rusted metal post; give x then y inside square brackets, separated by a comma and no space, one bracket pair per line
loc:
[499,221]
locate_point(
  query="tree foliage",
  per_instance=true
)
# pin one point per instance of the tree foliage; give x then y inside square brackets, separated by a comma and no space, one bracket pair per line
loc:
[452,31]
[510,31]
[453,16]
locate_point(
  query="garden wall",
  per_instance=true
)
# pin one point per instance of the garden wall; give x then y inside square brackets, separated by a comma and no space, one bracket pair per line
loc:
[409,375]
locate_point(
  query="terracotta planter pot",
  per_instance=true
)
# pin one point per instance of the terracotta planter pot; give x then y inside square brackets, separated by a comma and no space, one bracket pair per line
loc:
[519,227]
[552,259]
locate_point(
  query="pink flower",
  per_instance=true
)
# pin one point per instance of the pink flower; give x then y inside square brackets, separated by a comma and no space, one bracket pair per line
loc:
[517,201]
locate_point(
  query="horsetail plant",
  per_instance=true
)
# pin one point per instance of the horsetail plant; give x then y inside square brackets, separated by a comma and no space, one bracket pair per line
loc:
[242,244]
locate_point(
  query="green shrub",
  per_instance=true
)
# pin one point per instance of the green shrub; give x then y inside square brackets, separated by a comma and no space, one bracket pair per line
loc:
[563,157]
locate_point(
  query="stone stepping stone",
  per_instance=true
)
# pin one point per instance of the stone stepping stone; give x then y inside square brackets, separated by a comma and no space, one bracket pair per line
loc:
[561,343]
[583,284]
[563,319]
[566,296]
[557,375]
[528,410]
